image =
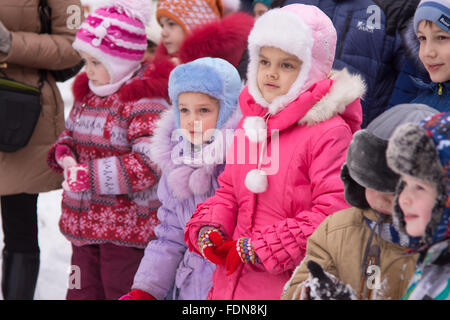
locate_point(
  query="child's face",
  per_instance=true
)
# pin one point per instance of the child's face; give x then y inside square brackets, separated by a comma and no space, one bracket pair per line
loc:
[172,35]
[95,70]
[277,71]
[198,115]
[259,9]
[434,50]
[380,201]
[417,199]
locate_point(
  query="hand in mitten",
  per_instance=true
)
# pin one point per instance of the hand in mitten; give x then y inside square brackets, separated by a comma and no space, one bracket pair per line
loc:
[324,286]
[64,156]
[5,39]
[209,240]
[243,253]
[137,294]
[76,178]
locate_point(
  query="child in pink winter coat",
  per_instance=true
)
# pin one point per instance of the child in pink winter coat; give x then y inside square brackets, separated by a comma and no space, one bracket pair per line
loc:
[282,176]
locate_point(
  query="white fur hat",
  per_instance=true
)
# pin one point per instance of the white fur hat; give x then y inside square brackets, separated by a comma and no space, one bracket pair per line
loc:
[302,30]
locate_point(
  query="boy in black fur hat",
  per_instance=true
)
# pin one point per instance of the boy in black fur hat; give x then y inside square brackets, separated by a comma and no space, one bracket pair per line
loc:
[365,232]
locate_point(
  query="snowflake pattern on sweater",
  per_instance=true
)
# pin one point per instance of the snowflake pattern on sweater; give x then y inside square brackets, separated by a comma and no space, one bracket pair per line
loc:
[112,138]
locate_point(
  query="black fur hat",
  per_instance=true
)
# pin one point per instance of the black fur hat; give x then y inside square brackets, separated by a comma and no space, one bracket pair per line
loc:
[366,165]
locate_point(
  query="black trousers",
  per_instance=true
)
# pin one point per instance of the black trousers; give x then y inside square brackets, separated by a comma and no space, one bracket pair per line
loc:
[19,221]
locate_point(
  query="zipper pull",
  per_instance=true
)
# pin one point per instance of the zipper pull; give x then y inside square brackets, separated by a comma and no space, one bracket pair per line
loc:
[441,88]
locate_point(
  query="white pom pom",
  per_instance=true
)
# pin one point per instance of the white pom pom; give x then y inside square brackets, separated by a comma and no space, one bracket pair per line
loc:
[100,32]
[96,42]
[255,129]
[256,181]
[137,9]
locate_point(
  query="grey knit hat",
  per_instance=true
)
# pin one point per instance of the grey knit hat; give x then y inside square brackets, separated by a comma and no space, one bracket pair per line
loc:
[365,165]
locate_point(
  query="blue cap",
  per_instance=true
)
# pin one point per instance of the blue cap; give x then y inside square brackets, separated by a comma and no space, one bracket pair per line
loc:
[212,76]
[437,11]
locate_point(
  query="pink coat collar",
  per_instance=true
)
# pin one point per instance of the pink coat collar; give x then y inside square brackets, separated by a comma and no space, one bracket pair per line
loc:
[289,115]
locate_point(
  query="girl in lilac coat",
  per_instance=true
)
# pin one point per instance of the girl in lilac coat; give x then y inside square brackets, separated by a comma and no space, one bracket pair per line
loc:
[282,175]
[189,145]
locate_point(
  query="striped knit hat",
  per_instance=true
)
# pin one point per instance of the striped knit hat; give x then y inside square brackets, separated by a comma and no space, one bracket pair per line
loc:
[115,35]
[190,14]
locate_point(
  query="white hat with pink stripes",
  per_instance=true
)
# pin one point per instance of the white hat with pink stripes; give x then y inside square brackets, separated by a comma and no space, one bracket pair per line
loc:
[115,35]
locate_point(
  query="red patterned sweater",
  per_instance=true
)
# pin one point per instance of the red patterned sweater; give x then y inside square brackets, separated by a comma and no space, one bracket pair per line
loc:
[111,134]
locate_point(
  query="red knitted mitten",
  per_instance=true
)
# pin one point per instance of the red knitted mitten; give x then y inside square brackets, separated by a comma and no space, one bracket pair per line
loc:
[209,239]
[243,253]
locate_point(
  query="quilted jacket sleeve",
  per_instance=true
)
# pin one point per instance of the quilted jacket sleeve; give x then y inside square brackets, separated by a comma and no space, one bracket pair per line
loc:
[282,246]
[167,250]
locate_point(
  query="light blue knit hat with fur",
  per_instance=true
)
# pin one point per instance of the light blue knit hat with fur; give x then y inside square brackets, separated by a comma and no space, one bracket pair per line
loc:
[212,76]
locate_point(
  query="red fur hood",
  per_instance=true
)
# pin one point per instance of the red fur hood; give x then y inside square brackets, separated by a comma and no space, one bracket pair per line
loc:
[150,82]
[226,39]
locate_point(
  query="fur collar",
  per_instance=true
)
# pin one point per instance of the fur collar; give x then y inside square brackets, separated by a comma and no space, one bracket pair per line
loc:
[325,99]
[226,39]
[185,179]
[150,81]
[321,102]
[346,88]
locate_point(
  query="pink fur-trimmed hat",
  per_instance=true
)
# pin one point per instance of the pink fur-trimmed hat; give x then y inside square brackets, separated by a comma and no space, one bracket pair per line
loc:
[298,29]
[115,35]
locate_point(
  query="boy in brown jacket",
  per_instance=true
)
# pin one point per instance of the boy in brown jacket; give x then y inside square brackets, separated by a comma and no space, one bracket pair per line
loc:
[362,255]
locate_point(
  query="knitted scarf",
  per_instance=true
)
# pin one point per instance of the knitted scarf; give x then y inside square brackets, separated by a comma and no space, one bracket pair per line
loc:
[387,232]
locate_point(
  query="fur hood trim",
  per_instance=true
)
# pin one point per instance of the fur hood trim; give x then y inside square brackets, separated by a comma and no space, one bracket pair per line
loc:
[226,39]
[412,45]
[187,176]
[301,30]
[346,88]
[343,89]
